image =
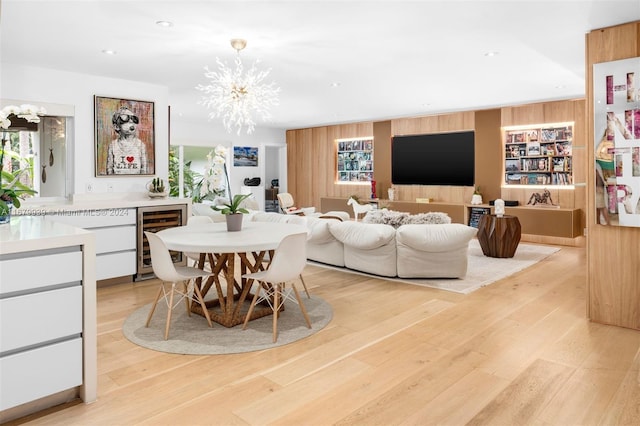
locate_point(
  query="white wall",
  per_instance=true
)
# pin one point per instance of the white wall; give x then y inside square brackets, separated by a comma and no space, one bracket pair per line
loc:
[41,85]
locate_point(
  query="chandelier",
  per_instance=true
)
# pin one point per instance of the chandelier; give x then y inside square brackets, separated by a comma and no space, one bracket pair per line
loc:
[237,96]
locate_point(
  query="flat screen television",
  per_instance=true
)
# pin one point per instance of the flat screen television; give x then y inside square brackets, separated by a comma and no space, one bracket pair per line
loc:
[433,159]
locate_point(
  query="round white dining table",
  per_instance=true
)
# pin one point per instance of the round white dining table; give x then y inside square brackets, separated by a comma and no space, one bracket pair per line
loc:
[221,248]
[214,237]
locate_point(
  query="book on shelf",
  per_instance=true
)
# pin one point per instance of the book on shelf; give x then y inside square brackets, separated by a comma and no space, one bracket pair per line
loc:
[476,213]
[533,148]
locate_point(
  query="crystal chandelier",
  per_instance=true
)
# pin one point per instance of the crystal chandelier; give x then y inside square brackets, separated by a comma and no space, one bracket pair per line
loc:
[235,95]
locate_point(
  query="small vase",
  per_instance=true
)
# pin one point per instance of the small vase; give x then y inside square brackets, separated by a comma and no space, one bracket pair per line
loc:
[234,222]
[476,199]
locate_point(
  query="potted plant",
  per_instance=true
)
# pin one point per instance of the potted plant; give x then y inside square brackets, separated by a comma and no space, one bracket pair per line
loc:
[233,211]
[476,198]
[156,188]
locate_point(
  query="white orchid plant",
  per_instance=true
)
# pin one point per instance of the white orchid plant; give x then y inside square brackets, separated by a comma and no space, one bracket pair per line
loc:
[215,179]
[216,182]
[31,113]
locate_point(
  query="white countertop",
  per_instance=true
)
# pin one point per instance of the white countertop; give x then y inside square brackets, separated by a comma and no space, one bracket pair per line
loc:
[29,233]
[33,207]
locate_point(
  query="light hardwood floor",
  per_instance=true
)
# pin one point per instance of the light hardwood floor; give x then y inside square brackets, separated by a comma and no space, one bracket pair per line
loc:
[519,351]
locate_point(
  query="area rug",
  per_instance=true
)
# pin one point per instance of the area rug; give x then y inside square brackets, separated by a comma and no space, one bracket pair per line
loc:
[481,270]
[191,334]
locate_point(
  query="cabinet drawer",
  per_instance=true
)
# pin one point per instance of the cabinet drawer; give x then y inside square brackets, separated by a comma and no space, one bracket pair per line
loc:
[40,372]
[115,265]
[40,271]
[40,317]
[115,239]
[95,218]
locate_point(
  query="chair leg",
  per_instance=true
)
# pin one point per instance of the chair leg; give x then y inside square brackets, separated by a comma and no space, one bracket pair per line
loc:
[302,308]
[169,309]
[198,293]
[276,310]
[305,287]
[155,303]
[187,299]
[253,304]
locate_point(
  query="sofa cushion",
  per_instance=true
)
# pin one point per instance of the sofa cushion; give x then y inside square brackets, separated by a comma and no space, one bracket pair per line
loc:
[435,238]
[363,236]
[322,246]
[433,251]
[367,247]
[319,230]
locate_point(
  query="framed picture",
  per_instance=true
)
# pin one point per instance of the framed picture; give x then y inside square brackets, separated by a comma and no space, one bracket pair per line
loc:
[245,156]
[124,137]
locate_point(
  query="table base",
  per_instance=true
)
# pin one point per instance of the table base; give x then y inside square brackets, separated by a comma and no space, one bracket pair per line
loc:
[229,308]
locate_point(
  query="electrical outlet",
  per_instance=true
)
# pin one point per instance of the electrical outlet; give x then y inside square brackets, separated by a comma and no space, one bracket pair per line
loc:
[89,187]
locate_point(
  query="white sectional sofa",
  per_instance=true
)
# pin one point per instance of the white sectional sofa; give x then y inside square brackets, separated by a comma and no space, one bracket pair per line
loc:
[410,251]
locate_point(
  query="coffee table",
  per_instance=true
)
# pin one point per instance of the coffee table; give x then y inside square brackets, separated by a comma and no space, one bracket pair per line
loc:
[499,235]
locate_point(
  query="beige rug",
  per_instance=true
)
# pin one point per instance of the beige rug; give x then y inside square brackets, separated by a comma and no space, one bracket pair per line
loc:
[191,335]
[481,270]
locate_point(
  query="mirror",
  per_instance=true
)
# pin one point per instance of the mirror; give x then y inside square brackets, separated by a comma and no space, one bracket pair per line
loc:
[47,152]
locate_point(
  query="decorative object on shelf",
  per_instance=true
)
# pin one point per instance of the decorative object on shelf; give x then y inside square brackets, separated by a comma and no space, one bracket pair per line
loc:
[499,207]
[476,198]
[373,189]
[391,193]
[538,198]
[124,137]
[156,188]
[252,181]
[235,95]
[358,208]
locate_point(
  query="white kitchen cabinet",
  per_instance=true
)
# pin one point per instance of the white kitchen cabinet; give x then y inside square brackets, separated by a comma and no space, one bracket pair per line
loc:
[41,322]
[116,234]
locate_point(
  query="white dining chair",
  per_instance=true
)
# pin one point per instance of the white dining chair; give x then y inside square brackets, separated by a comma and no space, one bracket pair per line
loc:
[168,272]
[194,258]
[286,266]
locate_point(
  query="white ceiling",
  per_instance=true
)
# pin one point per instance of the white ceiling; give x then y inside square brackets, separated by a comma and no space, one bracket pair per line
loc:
[390,58]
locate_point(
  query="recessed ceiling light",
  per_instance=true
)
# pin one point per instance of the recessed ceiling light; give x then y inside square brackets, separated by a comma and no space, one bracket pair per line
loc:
[164,24]
[109,52]
[491,54]
[335,84]
[560,86]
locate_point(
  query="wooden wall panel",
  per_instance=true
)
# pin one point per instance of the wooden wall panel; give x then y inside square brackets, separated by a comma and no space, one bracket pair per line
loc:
[489,152]
[311,163]
[382,157]
[613,252]
[453,122]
